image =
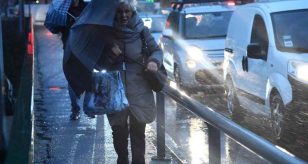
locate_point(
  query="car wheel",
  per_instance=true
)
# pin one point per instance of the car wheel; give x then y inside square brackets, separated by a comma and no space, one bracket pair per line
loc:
[279,120]
[232,102]
[178,80]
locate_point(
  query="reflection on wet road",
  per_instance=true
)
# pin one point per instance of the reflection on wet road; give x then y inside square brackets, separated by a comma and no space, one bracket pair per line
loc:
[186,135]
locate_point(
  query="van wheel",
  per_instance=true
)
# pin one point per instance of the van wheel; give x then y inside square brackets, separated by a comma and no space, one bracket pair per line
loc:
[233,105]
[279,119]
[177,77]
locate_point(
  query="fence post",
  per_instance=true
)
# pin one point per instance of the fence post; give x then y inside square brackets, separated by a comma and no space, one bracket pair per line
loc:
[160,128]
[214,144]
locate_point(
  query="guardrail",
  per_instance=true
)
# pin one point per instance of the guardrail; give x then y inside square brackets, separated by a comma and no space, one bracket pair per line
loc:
[217,124]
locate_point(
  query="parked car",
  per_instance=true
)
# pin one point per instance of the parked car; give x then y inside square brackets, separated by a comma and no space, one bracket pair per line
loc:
[147,7]
[266,63]
[193,46]
[156,24]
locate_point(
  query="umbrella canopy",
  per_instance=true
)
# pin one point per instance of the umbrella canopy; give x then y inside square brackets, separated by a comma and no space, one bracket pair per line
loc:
[56,16]
[92,31]
[98,12]
[86,42]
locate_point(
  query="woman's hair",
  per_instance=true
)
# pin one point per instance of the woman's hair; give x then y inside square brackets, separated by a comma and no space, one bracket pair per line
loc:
[128,3]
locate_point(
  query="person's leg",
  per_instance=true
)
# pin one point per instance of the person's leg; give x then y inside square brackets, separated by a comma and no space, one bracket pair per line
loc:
[137,137]
[86,101]
[120,142]
[75,109]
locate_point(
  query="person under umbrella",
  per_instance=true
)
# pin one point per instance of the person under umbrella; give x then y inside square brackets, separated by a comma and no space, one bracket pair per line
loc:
[61,15]
[74,11]
[89,37]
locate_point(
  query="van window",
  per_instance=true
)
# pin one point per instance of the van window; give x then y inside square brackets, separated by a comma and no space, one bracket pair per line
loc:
[259,35]
[291,34]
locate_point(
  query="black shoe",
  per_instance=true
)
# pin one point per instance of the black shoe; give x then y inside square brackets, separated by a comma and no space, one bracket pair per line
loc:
[75,116]
[90,115]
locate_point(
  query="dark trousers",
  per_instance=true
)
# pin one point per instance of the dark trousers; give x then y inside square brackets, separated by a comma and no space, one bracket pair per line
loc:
[75,106]
[120,134]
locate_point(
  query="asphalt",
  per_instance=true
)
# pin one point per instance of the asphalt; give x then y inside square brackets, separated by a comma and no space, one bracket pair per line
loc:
[56,138]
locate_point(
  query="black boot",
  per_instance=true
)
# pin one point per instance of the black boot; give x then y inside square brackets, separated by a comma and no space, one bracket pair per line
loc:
[75,116]
[120,143]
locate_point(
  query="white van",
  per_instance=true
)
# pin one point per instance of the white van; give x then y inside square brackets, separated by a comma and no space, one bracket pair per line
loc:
[266,64]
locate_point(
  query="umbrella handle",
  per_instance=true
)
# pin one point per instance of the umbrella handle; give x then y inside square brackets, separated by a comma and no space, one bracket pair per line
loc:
[75,18]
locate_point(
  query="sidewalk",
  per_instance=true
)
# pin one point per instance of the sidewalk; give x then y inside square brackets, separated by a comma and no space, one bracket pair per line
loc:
[56,138]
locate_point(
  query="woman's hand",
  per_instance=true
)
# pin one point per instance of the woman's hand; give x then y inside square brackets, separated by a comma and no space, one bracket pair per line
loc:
[116,51]
[152,66]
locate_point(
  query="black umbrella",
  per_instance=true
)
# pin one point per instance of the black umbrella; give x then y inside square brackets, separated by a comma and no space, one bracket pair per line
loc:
[88,37]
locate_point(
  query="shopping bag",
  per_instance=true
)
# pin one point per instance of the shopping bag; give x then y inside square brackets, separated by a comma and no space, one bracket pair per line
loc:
[107,95]
[56,16]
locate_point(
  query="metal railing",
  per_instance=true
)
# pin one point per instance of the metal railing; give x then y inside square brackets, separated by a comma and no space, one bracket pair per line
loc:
[217,124]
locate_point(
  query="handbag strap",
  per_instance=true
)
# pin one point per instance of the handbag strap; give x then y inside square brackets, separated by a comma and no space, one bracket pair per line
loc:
[145,47]
[124,64]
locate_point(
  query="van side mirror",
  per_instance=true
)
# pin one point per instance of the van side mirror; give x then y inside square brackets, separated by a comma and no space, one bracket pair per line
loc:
[254,51]
[168,33]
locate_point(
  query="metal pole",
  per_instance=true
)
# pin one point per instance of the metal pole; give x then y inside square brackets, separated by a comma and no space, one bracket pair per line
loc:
[214,144]
[3,140]
[160,125]
[29,9]
[21,16]
[160,129]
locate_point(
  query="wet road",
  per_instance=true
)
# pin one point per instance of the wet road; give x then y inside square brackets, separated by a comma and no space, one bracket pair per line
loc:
[259,124]
[187,137]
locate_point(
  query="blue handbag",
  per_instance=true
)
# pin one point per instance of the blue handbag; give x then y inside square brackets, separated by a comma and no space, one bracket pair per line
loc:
[56,16]
[107,95]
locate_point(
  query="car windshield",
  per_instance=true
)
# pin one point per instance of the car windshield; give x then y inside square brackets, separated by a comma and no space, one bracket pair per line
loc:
[207,25]
[155,23]
[146,7]
[291,34]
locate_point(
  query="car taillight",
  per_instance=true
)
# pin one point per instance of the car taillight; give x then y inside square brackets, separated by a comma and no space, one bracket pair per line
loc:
[230,3]
[167,24]
[30,43]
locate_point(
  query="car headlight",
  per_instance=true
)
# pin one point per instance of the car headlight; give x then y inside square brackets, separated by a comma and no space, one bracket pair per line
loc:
[298,70]
[194,53]
[191,63]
